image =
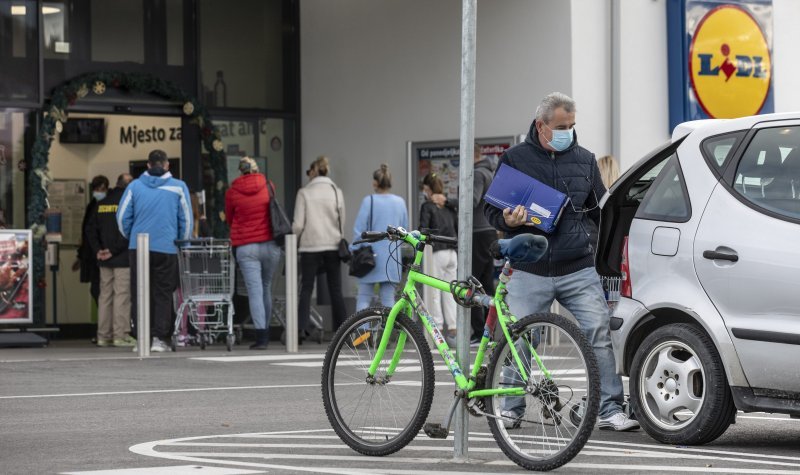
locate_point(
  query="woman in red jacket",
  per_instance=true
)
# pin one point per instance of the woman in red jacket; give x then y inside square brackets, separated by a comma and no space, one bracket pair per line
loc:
[247,214]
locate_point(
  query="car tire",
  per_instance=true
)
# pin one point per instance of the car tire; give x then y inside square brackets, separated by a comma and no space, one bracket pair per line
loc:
[679,391]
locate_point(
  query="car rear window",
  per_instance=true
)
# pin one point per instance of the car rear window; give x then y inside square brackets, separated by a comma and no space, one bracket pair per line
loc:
[666,199]
[718,149]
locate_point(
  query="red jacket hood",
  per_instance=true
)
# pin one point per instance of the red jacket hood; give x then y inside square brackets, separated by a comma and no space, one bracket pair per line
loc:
[249,184]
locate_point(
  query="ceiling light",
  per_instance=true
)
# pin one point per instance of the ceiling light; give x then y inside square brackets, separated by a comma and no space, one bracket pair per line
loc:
[50,10]
[18,10]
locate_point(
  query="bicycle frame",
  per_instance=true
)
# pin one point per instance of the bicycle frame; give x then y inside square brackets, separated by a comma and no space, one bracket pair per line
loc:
[411,303]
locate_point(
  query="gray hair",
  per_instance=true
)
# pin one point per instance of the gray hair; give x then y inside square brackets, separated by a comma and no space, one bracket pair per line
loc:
[551,102]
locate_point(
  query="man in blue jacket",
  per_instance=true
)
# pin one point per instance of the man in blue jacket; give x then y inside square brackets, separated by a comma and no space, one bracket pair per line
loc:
[159,205]
[551,154]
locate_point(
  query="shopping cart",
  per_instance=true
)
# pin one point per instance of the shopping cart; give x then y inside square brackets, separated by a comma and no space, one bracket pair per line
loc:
[611,289]
[207,280]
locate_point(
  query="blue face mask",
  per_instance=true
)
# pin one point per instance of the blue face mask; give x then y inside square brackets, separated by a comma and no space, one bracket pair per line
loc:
[562,139]
[99,195]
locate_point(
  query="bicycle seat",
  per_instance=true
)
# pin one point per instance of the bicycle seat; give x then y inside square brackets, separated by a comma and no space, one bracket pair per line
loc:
[522,249]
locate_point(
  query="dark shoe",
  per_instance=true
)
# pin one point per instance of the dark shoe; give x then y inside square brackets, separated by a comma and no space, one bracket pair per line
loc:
[262,339]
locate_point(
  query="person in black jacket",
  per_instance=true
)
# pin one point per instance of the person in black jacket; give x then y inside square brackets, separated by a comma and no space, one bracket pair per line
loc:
[441,220]
[87,261]
[110,248]
[551,154]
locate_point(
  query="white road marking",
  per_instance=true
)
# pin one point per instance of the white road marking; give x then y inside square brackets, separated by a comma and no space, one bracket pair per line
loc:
[240,359]
[158,391]
[593,449]
[173,470]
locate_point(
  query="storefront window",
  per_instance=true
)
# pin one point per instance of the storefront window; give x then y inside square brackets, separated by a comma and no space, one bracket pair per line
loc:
[117,31]
[133,36]
[230,79]
[12,169]
[19,58]
[175,32]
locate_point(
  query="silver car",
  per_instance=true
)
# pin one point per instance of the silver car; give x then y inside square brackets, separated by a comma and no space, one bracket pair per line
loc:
[705,233]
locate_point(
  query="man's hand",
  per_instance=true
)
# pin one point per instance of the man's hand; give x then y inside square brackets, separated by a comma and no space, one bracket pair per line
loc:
[515,218]
[103,255]
[76,265]
[438,199]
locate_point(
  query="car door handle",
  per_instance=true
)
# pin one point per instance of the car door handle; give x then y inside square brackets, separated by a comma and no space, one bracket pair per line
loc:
[714,255]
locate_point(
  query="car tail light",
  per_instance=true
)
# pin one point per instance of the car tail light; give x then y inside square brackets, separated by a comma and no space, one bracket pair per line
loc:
[625,288]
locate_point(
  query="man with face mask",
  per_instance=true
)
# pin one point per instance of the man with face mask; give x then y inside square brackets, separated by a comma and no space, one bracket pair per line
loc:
[87,261]
[551,154]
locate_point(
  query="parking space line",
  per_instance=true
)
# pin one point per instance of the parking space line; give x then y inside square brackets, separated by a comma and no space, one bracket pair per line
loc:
[158,391]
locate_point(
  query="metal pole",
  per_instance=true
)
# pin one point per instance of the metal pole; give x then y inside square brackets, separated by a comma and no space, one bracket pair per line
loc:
[143,294]
[465,170]
[291,293]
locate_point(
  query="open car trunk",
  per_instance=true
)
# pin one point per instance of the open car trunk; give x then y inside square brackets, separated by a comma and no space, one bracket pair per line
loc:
[619,209]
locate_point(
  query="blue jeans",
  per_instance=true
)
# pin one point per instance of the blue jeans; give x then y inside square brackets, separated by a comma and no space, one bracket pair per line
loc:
[366,292]
[258,262]
[582,294]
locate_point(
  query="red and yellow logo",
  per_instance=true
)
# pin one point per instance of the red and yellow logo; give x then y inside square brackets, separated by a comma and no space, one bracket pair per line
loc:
[729,63]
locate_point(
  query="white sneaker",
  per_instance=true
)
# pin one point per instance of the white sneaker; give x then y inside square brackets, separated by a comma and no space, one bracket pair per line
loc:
[159,346]
[511,420]
[618,422]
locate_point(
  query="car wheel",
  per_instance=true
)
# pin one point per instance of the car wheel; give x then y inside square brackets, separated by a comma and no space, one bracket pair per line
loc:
[679,391]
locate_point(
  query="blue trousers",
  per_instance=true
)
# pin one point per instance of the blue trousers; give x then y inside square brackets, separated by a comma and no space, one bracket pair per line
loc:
[582,294]
[258,263]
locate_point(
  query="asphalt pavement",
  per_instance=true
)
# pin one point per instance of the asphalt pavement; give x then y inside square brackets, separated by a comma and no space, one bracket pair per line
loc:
[74,408]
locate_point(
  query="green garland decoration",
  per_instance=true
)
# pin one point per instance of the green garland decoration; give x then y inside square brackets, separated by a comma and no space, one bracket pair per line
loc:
[54,115]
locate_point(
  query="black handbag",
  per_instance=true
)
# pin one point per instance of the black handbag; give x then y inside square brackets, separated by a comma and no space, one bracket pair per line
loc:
[363,260]
[344,247]
[281,226]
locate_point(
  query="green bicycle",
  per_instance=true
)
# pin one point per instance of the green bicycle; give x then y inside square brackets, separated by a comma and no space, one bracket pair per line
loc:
[378,374]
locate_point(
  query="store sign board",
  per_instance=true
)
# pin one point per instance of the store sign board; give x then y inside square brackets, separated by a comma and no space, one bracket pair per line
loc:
[442,158]
[720,59]
[16,278]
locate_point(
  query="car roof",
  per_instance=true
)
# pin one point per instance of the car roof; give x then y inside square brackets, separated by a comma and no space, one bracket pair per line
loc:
[710,127]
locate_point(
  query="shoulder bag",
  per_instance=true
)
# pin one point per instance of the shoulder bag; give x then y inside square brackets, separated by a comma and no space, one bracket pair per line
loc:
[344,247]
[363,260]
[281,226]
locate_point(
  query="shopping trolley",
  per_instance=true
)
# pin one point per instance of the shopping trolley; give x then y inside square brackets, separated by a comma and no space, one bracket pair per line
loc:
[207,273]
[611,287]
[279,310]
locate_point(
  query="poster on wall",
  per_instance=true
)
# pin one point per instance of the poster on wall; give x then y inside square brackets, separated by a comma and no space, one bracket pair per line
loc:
[15,276]
[442,158]
[720,59]
[69,197]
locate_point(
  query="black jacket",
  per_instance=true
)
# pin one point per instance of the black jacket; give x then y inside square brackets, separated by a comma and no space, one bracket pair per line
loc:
[482,178]
[89,270]
[573,172]
[103,231]
[439,221]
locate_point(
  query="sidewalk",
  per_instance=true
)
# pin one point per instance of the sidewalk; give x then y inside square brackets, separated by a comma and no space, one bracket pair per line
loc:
[64,350]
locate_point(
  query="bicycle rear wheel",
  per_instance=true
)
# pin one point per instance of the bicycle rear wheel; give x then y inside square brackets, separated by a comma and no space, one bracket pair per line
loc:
[536,430]
[382,414]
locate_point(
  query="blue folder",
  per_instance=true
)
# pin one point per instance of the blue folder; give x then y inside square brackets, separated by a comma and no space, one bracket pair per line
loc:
[511,188]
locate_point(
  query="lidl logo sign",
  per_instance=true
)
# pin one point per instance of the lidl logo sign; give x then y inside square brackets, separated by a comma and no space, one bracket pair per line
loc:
[729,63]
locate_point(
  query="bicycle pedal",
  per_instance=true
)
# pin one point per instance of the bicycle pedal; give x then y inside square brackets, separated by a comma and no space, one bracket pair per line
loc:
[435,431]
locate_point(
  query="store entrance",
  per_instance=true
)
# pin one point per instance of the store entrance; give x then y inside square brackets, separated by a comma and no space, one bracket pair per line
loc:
[91,145]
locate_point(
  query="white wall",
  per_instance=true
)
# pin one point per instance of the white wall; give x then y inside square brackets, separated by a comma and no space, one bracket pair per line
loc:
[377,74]
[786,14]
[644,97]
[591,73]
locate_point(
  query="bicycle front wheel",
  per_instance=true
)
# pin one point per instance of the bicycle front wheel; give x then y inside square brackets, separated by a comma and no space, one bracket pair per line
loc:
[548,422]
[379,414]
